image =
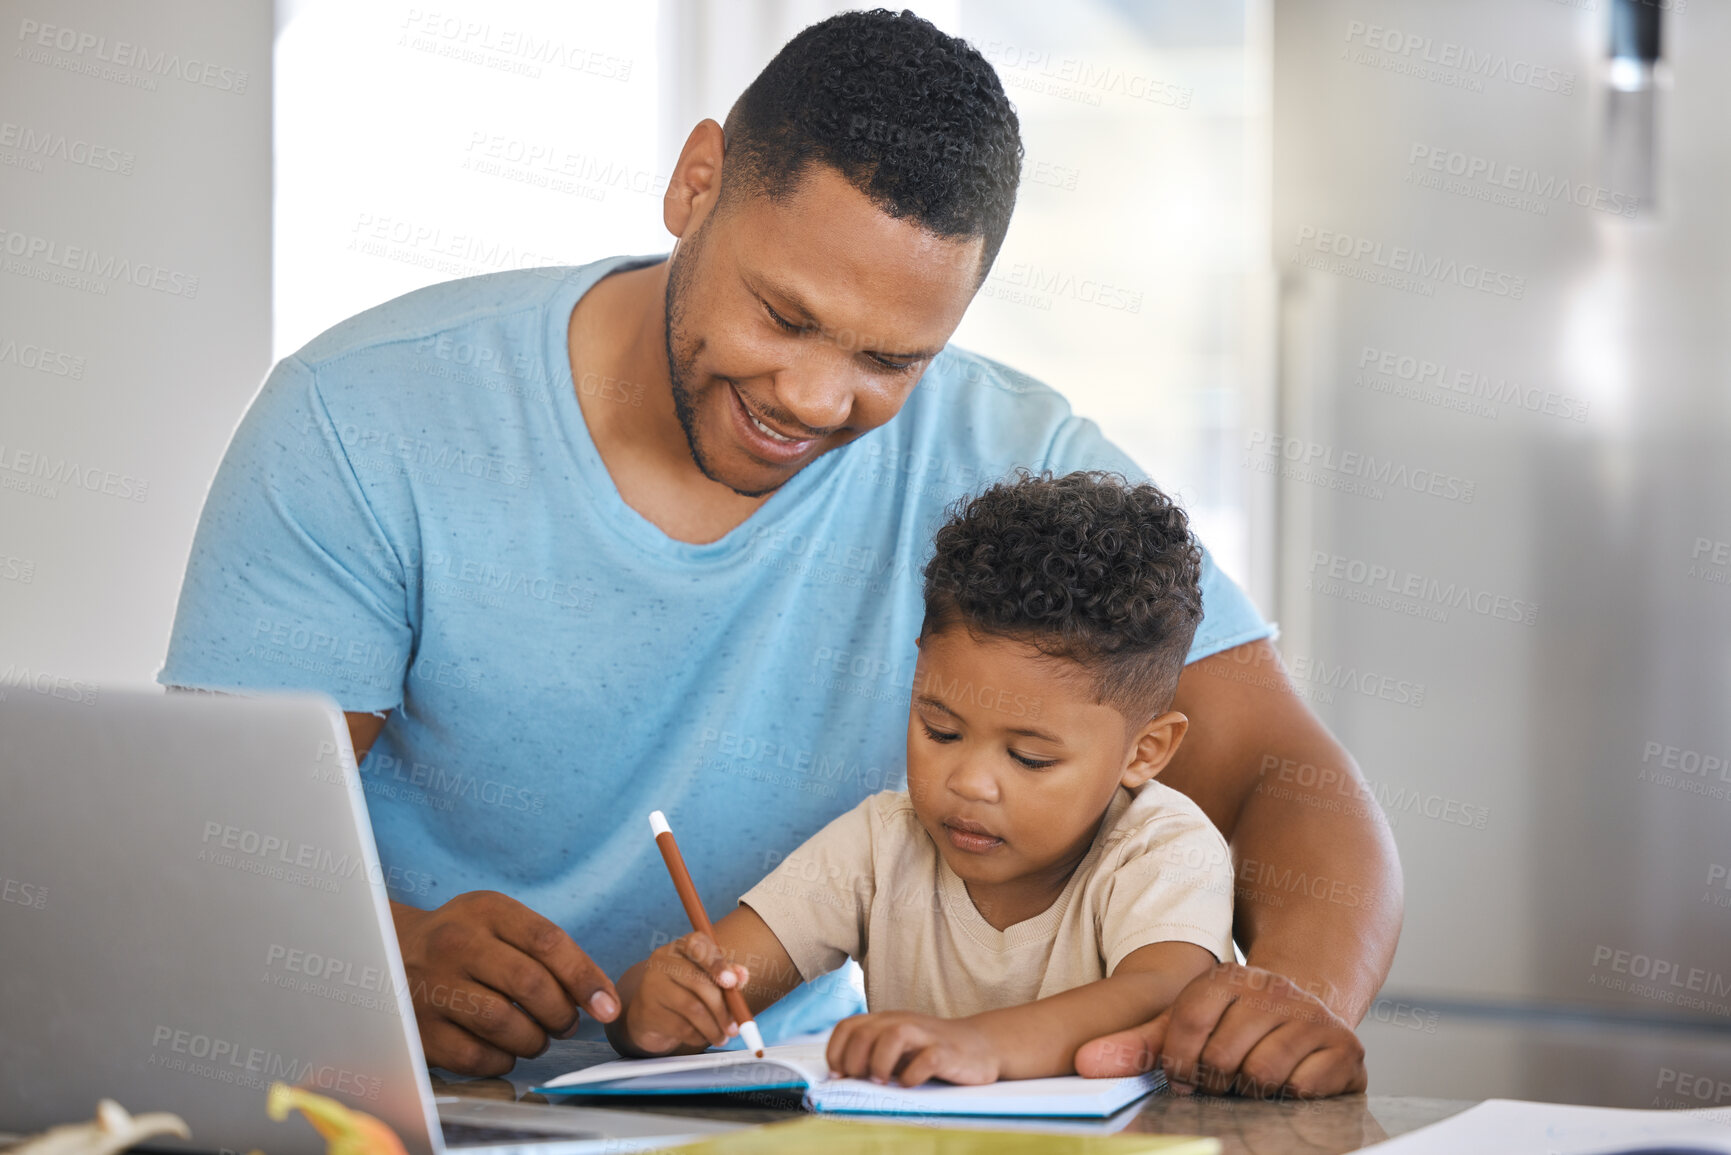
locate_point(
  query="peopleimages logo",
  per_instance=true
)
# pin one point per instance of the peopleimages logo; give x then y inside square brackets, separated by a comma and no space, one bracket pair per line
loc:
[1313,455]
[93,268]
[1482,178]
[1388,587]
[1408,51]
[1400,267]
[46,144]
[124,54]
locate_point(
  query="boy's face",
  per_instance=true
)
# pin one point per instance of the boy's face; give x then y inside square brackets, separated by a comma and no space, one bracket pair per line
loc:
[1011,760]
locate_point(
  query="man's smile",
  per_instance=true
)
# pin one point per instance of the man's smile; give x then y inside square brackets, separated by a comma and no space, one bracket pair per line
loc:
[763,440]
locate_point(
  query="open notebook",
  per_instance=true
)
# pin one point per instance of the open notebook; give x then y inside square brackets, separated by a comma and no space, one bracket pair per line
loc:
[802,1067]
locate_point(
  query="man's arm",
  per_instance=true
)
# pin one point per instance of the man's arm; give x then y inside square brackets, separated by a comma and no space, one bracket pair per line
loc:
[364,731]
[1288,796]
[490,979]
[1292,803]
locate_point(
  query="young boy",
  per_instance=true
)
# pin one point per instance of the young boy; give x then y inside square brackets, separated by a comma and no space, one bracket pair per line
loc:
[1034,887]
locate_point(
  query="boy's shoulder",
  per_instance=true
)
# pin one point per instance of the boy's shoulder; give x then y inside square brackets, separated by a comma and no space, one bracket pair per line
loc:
[1160,819]
[890,813]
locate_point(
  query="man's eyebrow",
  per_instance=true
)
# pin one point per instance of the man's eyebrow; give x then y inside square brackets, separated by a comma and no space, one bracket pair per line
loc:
[760,284]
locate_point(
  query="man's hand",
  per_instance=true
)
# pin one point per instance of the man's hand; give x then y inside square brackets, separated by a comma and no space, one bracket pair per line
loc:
[491,979]
[1238,1029]
[911,1049]
[677,1001]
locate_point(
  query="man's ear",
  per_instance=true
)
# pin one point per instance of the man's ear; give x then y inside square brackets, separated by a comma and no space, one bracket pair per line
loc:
[696,180]
[1153,748]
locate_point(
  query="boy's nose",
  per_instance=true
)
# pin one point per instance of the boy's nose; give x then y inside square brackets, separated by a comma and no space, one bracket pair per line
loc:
[974,780]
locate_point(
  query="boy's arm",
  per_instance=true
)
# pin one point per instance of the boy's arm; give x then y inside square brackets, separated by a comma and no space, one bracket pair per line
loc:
[673,1001]
[1027,1042]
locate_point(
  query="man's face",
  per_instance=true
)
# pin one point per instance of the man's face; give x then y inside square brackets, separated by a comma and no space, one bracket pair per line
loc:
[794,326]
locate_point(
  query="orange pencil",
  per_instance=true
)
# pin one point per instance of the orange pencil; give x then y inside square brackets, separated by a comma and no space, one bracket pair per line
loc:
[700,922]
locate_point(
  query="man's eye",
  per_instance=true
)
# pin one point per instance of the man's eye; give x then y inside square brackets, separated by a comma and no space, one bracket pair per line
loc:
[893,366]
[1033,763]
[938,735]
[782,321]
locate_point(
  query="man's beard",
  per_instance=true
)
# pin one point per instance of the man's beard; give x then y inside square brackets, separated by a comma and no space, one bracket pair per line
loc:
[679,373]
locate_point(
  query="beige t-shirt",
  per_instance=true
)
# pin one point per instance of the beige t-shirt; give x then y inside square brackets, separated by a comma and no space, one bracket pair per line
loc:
[872,886]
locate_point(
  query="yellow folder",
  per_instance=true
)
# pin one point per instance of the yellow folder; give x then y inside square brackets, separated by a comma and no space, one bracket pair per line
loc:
[842,1137]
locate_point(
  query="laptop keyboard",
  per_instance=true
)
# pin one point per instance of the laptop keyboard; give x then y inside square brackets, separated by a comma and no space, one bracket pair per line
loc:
[459,1135]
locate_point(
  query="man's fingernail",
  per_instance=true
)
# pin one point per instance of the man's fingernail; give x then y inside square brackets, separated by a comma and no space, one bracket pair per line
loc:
[604,1006]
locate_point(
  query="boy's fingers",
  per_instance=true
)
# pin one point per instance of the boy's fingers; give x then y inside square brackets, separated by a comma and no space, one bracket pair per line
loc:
[682,1003]
[836,1053]
[1130,1052]
[697,983]
[891,1045]
[921,1068]
[712,960]
[856,1059]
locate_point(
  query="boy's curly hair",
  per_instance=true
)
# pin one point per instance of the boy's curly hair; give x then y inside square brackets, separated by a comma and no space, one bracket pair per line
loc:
[1085,567]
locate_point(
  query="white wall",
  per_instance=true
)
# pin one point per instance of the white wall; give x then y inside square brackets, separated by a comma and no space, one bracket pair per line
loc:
[135,249]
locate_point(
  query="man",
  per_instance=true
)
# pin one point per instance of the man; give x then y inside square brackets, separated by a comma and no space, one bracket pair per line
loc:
[571,545]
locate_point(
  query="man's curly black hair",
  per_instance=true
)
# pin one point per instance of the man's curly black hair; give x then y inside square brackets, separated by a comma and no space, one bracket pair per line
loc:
[914,119]
[1085,567]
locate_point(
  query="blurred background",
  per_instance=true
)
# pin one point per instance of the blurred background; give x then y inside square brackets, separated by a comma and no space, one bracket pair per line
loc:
[1424,309]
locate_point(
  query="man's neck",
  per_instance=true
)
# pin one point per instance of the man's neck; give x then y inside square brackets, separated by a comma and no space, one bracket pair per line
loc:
[617,344]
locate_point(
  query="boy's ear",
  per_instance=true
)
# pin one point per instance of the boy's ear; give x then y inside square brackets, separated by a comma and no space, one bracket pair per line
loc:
[1153,748]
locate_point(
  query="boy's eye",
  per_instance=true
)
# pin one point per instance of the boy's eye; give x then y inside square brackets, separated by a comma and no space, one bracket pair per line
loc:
[938,735]
[1033,763]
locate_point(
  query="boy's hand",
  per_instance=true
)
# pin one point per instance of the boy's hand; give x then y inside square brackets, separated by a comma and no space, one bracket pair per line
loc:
[911,1049]
[1241,1030]
[678,999]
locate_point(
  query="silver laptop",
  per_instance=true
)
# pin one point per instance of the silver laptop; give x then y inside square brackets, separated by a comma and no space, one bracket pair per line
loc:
[192,908]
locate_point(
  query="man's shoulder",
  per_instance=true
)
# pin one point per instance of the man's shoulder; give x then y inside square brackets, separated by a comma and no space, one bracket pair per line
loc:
[960,376]
[435,309]
[971,420]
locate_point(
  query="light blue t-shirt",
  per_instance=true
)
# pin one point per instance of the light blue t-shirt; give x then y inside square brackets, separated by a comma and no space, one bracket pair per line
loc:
[412,517]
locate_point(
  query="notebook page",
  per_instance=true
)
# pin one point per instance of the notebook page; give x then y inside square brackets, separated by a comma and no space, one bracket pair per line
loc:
[799,1064]
[1068,1095]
